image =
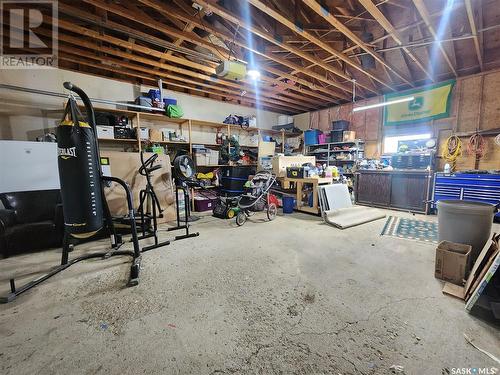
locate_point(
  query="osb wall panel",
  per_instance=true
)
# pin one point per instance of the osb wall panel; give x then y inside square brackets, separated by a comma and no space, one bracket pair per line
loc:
[490,118]
[468,108]
[475,105]
[366,124]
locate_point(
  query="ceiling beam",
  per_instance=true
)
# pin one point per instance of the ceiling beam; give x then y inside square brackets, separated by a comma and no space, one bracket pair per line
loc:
[169,31]
[473,28]
[330,18]
[150,52]
[396,36]
[137,18]
[278,17]
[302,95]
[275,40]
[424,14]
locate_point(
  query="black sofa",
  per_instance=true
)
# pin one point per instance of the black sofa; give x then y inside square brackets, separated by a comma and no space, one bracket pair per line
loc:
[30,220]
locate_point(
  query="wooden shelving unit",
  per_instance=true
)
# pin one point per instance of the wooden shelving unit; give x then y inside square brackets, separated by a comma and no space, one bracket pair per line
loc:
[191,129]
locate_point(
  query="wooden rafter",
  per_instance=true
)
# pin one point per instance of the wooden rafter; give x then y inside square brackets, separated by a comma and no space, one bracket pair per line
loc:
[278,17]
[227,16]
[424,14]
[473,28]
[149,52]
[273,39]
[395,34]
[169,31]
[332,20]
[136,17]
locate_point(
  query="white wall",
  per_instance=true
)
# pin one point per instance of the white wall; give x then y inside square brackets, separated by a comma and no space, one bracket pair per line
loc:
[23,116]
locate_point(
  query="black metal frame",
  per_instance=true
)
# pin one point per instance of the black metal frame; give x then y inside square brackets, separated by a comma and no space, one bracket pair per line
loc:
[116,242]
[182,186]
[148,195]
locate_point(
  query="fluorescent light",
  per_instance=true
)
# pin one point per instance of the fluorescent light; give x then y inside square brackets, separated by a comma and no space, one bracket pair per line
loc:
[383,104]
[253,74]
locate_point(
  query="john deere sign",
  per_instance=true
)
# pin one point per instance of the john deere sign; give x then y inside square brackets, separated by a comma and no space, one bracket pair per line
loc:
[431,102]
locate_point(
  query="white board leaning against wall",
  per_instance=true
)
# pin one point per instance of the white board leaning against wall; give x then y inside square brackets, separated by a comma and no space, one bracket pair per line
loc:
[28,166]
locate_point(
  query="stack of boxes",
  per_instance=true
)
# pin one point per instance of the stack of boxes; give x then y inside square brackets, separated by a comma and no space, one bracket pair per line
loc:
[206,156]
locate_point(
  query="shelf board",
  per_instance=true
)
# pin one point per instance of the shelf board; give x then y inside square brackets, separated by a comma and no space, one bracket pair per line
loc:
[208,123]
[337,143]
[117,140]
[160,117]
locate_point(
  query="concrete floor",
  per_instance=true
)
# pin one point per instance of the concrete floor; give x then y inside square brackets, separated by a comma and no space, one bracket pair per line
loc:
[293,296]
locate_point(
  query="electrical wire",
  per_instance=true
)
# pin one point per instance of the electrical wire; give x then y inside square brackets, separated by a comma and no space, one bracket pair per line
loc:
[476,146]
[452,150]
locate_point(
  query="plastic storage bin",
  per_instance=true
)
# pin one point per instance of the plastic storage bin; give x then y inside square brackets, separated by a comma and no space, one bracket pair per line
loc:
[311,137]
[465,222]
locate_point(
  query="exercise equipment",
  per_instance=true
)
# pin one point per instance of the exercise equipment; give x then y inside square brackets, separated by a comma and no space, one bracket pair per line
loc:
[149,206]
[184,173]
[82,189]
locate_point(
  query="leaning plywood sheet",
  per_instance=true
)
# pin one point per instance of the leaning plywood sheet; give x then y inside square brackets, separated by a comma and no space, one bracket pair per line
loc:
[335,196]
[492,267]
[478,270]
[125,165]
[349,217]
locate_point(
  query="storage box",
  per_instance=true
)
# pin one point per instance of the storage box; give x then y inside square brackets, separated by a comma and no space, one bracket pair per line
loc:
[155,135]
[105,132]
[452,261]
[122,132]
[295,172]
[202,157]
[340,125]
[144,133]
[280,163]
[349,136]
[202,204]
[213,157]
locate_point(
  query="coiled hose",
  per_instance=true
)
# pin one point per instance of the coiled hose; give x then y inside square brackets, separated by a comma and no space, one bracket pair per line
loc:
[452,150]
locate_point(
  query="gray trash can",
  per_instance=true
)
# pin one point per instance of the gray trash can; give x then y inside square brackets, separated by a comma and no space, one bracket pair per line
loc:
[465,222]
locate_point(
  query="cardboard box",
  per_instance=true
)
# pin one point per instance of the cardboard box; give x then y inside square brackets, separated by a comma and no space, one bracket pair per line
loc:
[280,163]
[452,260]
[105,132]
[349,136]
[213,157]
[202,157]
[485,257]
[155,135]
[144,133]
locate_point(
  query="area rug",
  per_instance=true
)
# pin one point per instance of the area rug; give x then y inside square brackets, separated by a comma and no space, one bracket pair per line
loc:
[411,229]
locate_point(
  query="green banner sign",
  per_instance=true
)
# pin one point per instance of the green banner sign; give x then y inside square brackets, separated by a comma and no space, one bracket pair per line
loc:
[431,102]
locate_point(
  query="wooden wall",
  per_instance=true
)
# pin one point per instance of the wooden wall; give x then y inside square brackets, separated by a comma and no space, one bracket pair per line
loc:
[475,106]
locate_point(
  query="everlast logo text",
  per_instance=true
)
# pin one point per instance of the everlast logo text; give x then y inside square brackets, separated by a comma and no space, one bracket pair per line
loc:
[66,153]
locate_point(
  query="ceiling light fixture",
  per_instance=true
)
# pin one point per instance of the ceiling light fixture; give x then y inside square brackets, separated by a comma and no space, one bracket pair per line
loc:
[253,74]
[383,104]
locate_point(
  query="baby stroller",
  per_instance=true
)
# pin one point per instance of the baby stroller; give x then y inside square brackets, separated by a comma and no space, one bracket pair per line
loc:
[258,198]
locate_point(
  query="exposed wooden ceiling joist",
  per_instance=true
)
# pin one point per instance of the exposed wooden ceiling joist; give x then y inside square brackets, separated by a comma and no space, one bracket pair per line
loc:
[396,36]
[472,22]
[330,18]
[286,22]
[424,14]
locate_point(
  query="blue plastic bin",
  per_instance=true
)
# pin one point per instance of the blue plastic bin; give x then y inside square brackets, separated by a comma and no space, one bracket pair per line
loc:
[288,205]
[169,101]
[311,136]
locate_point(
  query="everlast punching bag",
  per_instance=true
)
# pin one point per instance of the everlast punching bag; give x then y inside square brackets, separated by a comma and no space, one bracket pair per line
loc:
[79,174]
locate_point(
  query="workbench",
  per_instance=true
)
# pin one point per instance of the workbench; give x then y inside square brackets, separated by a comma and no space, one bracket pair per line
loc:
[299,186]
